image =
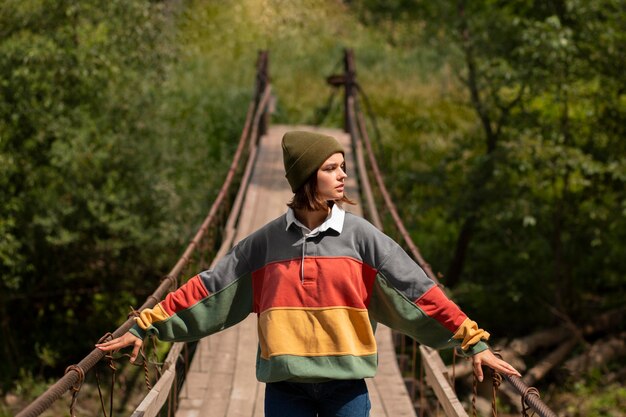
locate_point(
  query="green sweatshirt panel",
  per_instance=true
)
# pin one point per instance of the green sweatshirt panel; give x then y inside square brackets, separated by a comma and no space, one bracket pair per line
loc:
[138,331]
[391,308]
[472,350]
[316,368]
[217,312]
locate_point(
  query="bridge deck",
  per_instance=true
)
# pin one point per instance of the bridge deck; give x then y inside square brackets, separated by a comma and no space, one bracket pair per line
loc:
[221,380]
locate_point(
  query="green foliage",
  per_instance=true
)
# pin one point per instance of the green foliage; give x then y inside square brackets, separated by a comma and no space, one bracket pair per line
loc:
[118,119]
[73,180]
[101,168]
[536,170]
[554,198]
[594,398]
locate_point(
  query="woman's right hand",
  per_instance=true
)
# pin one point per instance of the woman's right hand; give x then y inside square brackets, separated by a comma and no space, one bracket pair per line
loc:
[126,339]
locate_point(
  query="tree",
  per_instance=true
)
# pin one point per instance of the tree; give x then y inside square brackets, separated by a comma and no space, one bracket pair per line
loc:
[535,190]
[86,204]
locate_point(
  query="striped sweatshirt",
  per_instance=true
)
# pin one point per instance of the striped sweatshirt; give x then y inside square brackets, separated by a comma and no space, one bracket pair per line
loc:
[317,297]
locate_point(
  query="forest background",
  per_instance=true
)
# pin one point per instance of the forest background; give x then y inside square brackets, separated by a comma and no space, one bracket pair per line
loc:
[502,128]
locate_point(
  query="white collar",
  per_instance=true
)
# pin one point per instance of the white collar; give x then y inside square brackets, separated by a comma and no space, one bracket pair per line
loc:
[333,221]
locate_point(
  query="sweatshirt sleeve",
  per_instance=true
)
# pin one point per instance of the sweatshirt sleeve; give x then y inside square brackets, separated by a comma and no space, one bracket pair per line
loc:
[209,302]
[405,299]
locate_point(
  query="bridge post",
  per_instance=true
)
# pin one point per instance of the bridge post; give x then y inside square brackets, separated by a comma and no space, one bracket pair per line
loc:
[350,86]
[262,80]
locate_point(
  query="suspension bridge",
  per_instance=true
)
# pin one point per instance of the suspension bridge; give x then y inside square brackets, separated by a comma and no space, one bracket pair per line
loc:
[216,375]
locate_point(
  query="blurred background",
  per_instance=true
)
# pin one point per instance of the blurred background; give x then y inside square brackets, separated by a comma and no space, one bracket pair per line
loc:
[502,138]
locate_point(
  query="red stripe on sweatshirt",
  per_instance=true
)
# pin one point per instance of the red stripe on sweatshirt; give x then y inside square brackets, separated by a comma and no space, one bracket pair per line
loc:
[186,296]
[328,282]
[439,307]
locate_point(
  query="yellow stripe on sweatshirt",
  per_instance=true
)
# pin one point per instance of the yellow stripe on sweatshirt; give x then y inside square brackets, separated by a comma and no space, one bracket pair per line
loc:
[151,315]
[469,334]
[315,332]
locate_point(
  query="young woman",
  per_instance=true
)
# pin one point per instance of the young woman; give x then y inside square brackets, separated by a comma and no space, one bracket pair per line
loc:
[319,279]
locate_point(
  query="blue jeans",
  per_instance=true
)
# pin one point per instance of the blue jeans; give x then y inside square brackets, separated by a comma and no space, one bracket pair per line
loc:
[327,399]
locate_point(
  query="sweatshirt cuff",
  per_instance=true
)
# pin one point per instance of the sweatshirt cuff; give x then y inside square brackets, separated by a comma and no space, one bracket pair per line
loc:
[138,331]
[472,350]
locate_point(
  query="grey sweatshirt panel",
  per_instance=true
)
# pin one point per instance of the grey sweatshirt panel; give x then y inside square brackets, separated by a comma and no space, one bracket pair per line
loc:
[232,266]
[383,254]
[358,240]
[404,274]
[267,244]
[272,243]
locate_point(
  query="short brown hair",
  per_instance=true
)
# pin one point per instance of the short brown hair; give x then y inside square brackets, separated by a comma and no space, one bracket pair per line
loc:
[306,197]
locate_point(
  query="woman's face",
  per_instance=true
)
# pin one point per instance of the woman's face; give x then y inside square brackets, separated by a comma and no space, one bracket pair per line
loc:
[331,177]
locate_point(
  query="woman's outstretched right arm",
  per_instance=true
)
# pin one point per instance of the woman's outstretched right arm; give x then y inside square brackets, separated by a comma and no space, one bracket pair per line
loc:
[126,339]
[209,302]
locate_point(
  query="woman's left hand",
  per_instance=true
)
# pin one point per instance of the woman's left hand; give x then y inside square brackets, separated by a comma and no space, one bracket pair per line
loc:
[486,357]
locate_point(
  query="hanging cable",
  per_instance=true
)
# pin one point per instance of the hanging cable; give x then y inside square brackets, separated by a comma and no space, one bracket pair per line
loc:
[372,116]
[496,379]
[77,386]
[322,113]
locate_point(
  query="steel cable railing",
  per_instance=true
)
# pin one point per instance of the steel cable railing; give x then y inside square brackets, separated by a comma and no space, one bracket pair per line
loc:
[158,395]
[255,125]
[355,125]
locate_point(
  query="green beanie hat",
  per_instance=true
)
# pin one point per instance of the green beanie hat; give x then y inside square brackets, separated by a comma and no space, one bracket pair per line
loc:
[304,153]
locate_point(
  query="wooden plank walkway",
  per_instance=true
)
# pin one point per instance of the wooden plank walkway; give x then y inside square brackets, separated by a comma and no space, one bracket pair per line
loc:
[221,381]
